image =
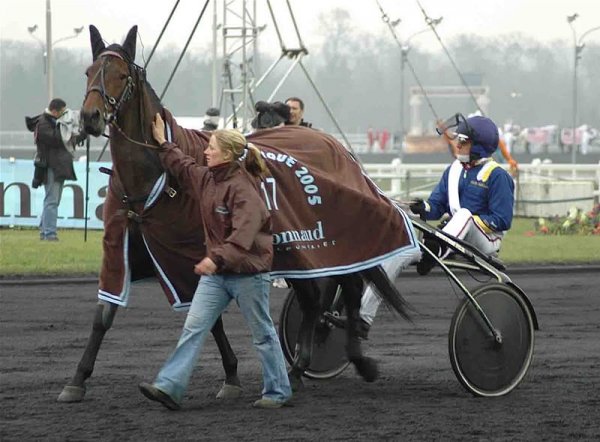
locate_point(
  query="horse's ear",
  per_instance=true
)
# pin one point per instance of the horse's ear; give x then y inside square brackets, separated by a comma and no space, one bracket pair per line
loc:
[130,42]
[97,42]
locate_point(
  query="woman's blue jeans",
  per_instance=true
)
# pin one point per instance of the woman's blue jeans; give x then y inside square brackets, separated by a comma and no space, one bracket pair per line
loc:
[214,292]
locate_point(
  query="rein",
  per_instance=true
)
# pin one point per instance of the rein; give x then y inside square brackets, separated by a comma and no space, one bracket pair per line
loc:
[110,116]
[131,140]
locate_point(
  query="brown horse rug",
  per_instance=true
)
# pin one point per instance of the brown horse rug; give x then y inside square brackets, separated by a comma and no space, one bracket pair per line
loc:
[328,218]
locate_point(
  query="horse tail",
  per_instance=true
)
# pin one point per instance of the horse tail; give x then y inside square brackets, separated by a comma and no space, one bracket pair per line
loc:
[387,291]
[254,162]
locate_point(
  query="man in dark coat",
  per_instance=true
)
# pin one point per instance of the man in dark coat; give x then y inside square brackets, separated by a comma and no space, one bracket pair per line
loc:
[54,165]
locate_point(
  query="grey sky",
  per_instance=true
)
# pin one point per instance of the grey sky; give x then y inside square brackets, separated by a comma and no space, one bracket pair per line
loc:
[543,20]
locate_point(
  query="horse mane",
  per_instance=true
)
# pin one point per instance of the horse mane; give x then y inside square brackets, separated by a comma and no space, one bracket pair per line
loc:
[152,93]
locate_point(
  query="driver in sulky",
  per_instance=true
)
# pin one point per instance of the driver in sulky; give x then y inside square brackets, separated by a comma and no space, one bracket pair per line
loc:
[474,190]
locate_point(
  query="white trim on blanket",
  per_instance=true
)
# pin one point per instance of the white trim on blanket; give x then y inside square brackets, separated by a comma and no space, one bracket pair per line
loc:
[122,298]
[158,187]
[177,305]
[409,253]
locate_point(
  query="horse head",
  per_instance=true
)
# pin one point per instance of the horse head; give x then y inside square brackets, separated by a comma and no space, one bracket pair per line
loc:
[118,95]
[110,80]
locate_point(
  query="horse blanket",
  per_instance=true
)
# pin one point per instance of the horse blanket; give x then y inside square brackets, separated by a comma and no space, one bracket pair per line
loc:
[328,218]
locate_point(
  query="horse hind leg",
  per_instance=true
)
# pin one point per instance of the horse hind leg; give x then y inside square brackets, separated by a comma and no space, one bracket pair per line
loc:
[351,290]
[307,293]
[74,391]
[232,387]
[303,349]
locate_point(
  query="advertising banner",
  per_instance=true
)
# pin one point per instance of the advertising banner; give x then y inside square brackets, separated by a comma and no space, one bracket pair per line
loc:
[21,205]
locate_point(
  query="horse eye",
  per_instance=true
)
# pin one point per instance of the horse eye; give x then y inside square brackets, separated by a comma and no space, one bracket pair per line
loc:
[123,76]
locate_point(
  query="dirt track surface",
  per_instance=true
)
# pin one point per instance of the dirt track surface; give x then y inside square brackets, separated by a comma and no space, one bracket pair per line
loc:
[44,329]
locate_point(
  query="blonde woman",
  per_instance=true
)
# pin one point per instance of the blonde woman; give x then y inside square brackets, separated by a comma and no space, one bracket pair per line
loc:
[237,227]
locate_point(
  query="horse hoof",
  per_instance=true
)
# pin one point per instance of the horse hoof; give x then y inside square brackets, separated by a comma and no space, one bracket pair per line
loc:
[229,392]
[71,393]
[296,383]
[367,368]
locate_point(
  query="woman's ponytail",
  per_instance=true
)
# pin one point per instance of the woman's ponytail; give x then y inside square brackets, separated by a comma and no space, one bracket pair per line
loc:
[254,163]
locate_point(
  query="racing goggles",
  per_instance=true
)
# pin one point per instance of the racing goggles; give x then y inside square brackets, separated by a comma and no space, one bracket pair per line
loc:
[466,131]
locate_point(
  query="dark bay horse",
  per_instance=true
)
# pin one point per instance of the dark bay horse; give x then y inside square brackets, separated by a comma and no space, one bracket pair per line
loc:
[117,94]
[152,228]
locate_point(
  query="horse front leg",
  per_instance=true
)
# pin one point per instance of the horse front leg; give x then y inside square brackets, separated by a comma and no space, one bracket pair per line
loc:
[366,367]
[74,391]
[307,293]
[232,387]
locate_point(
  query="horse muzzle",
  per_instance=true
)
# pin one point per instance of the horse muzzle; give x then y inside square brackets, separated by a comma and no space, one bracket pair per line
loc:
[93,122]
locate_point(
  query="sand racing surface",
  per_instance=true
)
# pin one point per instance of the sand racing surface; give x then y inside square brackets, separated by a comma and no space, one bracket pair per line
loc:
[44,328]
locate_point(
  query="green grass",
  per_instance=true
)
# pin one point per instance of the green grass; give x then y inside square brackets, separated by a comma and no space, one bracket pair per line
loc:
[519,248]
[22,253]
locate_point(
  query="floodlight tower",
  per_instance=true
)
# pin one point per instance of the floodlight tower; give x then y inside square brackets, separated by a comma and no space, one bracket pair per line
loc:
[239,32]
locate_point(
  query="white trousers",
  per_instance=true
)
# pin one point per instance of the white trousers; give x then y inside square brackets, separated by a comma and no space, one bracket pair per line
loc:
[370,300]
[463,226]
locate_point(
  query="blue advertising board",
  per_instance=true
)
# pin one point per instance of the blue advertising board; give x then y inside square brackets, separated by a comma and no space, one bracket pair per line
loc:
[21,205]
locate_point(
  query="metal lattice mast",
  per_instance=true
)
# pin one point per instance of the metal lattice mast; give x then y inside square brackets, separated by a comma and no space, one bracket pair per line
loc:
[239,32]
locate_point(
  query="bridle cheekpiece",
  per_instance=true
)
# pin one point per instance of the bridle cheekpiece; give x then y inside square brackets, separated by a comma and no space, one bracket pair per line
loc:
[111,104]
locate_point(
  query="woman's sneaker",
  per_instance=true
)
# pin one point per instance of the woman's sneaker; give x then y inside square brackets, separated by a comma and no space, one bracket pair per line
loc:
[268,403]
[154,394]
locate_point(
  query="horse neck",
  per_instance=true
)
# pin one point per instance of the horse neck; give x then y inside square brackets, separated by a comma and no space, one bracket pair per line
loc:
[137,167]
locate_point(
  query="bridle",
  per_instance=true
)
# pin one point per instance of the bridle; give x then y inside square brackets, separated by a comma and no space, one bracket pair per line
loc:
[112,104]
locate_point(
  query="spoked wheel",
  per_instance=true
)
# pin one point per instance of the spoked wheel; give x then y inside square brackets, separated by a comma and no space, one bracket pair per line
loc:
[484,366]
[329,348]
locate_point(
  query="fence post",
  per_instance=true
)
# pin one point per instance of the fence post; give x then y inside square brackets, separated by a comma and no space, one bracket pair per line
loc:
[397,180]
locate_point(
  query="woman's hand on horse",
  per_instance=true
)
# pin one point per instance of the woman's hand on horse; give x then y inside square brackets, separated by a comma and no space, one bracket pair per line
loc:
[158,129]
[205,267]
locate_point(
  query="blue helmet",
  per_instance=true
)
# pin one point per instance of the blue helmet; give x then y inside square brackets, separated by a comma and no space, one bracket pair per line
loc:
[483,133]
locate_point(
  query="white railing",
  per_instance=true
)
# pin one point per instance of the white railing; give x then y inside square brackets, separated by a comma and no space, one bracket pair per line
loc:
[406,181]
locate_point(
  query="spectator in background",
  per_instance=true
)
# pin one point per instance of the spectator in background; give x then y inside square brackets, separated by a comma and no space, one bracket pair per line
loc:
[211,119]
[384,137]
[56,134]
[370,138]
[296,112]
[586,136]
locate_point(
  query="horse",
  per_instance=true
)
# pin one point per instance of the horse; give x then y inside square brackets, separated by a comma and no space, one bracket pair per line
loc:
[149,219]
[134,173]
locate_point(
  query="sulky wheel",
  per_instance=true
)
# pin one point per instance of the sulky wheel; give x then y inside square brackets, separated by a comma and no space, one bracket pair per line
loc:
[484,366]
[329,352]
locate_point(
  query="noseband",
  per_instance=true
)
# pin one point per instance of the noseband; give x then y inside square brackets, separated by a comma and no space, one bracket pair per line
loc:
[111,104]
